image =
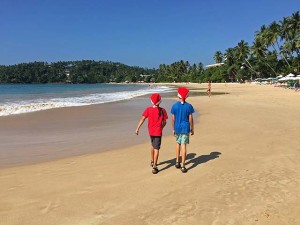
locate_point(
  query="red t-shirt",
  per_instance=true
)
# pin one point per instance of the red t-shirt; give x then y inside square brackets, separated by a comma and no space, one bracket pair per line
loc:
[155,117]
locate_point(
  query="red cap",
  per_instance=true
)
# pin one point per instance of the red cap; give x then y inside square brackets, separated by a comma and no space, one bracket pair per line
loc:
[155,99]
[183,93]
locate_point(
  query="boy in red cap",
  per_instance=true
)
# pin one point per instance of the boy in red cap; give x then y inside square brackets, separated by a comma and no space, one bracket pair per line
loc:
[157,120]
[183,125]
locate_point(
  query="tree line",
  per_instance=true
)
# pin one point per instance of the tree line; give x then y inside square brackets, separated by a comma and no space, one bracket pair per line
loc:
[275,51]
[90,71]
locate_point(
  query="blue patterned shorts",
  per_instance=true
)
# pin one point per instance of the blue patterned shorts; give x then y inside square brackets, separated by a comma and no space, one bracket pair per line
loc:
[182,139]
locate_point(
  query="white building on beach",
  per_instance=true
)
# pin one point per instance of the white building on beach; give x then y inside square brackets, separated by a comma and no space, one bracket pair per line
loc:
[214,65]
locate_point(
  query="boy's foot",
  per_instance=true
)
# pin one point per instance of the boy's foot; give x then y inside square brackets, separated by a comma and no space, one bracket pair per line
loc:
[177,165]
[183,169]
[154,170]
[151,164]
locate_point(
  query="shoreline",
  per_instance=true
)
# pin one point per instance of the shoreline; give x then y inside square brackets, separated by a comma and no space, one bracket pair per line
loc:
[54,134]
[58,96]
[58,133]
[243,168]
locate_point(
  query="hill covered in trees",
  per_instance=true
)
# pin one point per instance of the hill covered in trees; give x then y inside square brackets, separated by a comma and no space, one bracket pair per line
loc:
[90,71]
[85,71]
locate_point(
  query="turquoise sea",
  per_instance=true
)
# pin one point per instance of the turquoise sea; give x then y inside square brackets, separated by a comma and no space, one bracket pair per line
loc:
[25,98]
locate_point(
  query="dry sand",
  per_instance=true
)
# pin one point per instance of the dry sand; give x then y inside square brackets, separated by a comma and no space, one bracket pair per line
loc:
[243,166]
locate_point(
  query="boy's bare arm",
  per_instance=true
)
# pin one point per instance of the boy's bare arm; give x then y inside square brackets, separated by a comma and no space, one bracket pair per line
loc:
[191,120]
[173,120]
[140,124]
[164,123]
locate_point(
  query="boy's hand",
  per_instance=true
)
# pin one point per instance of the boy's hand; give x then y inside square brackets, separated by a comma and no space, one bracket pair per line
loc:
[192,132]
[137,132]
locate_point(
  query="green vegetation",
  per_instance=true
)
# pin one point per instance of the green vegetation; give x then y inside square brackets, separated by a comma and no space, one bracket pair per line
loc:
[180,72]
[85,71]
[275,50]
[89,71]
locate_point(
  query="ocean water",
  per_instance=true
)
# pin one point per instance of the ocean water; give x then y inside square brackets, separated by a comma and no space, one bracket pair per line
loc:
[25,98]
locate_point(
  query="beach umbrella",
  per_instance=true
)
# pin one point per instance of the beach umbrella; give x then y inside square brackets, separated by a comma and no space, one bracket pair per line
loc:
[286,78]
[283,79]
[290,75]
[290,78]
[280,76]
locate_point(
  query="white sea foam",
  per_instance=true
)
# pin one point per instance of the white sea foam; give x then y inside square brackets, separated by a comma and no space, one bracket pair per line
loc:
[51,103]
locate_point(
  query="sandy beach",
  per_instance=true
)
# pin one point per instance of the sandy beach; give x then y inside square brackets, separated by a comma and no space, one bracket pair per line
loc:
[63,167]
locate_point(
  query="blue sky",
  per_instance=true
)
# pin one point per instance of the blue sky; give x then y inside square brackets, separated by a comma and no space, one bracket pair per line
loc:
[142,33]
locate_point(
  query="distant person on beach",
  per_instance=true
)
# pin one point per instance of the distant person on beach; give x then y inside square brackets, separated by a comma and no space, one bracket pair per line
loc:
[209,88]
[183,126]
[297,85]
[157,120]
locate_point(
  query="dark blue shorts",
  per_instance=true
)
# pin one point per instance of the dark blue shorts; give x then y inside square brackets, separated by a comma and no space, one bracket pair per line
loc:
[155,141]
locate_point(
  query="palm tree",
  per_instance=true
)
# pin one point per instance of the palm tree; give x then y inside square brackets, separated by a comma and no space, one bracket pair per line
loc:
[229,59]
[272,34]
[200,68]
[242,50]
[295,26]
[287,48]
[229,56]
[261,35]
[290,29]
[242,53]
[260,52]
[258,49]
[295,23]
[297,41]
[218,57]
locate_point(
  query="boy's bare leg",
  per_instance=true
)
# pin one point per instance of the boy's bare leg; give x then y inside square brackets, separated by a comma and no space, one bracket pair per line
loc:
[183,155]
[152,154]
[177,152]
[156,154]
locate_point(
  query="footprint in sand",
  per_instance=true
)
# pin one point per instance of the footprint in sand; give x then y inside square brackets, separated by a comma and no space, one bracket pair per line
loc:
[50,206]
[100,214]
[16,187]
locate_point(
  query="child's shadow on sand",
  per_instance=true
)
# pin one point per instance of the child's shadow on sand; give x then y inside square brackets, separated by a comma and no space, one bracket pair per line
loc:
[191,159]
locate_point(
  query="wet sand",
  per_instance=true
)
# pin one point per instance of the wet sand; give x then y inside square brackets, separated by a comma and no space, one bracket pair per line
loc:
[59,133]
[243,165]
